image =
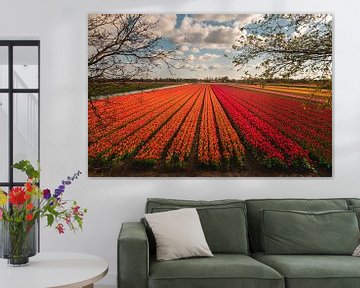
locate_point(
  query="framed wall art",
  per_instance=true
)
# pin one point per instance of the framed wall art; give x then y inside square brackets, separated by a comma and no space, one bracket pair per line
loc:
[246,95]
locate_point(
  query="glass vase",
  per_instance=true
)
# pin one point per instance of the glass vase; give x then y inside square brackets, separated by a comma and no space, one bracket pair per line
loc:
[18,242]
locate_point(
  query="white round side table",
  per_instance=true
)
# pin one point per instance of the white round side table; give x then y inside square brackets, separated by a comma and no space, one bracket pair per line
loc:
[50,270]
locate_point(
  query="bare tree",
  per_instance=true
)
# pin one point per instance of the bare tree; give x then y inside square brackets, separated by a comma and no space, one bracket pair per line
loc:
[124,46]
[286,46]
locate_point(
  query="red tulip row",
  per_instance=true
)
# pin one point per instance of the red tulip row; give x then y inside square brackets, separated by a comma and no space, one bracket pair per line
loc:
[312,114]
[291,113]
[269,145]
[208,148]
[293,125]
[154,148]
[232,147]
[105,144]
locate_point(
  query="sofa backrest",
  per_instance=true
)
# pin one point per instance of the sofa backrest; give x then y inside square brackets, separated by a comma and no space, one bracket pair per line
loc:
[353,202]
[256,205]
[223,221]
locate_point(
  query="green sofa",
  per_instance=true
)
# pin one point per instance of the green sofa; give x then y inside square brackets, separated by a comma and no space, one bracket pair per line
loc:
[233,231]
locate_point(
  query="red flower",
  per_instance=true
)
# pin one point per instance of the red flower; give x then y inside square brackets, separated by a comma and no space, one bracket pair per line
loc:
[27,196]
[29,217]
[29,206]
[68,219]
[60,228]
[17,196]
[29,186]
[75,209]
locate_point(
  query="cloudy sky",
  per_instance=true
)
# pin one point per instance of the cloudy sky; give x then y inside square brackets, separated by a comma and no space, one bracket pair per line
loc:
[203,40]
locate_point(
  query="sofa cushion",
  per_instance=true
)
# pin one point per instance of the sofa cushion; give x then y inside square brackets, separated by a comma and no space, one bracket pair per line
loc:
[223,221]
[254,207]
[297,232]
[313,271]
[178,234]
[222,270]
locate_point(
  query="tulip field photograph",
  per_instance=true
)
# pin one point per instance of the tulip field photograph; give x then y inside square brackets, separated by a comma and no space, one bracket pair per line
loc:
[210,95]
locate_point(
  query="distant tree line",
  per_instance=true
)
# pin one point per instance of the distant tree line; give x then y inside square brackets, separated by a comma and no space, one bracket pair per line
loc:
[323,83]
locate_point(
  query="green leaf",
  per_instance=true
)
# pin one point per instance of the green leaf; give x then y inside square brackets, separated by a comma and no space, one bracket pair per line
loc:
[50,219]
[26,167]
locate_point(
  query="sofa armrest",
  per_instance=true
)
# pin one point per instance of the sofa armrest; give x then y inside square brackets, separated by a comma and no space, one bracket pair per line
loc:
[133,256]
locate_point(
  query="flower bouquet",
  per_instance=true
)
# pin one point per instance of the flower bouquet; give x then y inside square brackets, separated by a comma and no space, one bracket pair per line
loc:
[21,208]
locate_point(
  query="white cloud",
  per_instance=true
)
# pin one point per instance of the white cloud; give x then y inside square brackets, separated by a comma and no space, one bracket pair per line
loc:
[191,58]
[204,67]
[166,22]
[247,19]
[194,32]
[184,48]
[215,66]
[222,35]
[208,57]
[221,18]
[198,67]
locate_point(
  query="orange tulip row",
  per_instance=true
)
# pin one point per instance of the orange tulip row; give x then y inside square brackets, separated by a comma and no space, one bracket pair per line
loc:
[104,145]
[183,142]
[115,111]
[208,149]
[154,148]
[129,144]
[230,142]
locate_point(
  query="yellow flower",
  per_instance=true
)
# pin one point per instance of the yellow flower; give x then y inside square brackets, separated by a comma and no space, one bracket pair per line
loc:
[3,198]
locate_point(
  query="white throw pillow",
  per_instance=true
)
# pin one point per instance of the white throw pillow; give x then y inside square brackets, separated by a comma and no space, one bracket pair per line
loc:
[357,251]
[178,234]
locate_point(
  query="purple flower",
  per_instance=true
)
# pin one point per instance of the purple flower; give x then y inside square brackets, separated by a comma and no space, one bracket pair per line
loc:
[58,192]
[68,181]
[46,194]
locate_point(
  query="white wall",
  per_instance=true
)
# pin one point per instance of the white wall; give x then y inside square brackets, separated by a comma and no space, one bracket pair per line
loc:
[62,28]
